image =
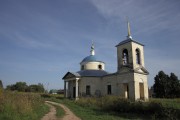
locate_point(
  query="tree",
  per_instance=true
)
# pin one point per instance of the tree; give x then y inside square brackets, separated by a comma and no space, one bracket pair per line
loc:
[1,89]
[36,88]
[21,86]
[10,87]
[174,86]
[160,84]
[165,86]
[1,84]
[40,87]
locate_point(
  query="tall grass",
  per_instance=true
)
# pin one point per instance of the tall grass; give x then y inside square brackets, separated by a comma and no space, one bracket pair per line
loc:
[114,107]
[169,103]
[155,108]
[21,106]
[91,108]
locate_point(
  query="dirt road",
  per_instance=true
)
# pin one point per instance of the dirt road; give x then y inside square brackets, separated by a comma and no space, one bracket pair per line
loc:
[69,115]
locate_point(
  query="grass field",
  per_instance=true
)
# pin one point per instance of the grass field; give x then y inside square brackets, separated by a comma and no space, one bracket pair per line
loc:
[21,106]
[168,103]
[114,108]
[96,113]
[30,106]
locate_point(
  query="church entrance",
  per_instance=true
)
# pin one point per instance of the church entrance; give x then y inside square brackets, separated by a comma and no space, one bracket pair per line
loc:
[126,90]
[141,91]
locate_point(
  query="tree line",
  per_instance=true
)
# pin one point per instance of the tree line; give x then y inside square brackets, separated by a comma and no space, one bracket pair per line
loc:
[23,87]
[166,86]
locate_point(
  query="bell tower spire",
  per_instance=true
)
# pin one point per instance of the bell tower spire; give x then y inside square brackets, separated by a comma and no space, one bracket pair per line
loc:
[92,48]
[129,31]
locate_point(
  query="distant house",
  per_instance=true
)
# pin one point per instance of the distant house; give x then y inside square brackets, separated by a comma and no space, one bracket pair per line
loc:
[53,91]
[61,91]
[130,80]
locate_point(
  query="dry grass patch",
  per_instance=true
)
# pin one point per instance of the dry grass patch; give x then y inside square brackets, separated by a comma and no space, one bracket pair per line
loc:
[21,106]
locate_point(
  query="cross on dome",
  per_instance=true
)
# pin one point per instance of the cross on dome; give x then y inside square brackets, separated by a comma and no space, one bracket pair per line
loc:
[92,49]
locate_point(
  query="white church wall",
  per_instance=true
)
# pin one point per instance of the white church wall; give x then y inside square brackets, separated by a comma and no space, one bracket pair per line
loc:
[140,78]
[109,80]
[93,82]
[123,80]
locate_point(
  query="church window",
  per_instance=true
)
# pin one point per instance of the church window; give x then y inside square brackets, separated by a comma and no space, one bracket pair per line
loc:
[100,67]
[138,56]
[88,90]
[125,57]
[109,89]
[82,67]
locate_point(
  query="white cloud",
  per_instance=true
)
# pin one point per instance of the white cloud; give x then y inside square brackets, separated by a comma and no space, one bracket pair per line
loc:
[146,16]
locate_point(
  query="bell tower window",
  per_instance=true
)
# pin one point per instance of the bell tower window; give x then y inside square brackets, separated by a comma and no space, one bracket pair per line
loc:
[125,57]
[138,56]
[82,67]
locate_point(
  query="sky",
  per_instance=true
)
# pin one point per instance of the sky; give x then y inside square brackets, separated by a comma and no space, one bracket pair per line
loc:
[41,40]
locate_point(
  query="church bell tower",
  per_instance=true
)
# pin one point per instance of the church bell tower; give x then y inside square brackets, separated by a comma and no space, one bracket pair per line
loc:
[130,58]
[130,53]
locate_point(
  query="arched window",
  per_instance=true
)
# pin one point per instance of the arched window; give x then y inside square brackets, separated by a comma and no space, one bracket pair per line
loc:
[100,67]
[138,56]
[125,57]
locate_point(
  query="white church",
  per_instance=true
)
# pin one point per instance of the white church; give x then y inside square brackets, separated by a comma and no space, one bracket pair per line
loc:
[130,80]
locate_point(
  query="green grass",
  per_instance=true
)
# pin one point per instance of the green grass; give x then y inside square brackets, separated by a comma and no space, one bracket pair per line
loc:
[40,111]
[87,109]
[96,113]
[21,106]
[55,97]
[168,103]
[114,108]
[59,111]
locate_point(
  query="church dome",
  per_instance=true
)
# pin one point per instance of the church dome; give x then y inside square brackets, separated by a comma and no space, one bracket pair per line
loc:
[91,62]
[90,58]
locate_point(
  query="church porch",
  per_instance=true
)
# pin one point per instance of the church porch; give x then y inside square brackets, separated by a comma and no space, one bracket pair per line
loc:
[71,88]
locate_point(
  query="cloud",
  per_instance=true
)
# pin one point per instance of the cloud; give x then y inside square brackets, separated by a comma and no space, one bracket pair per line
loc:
[147,16]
